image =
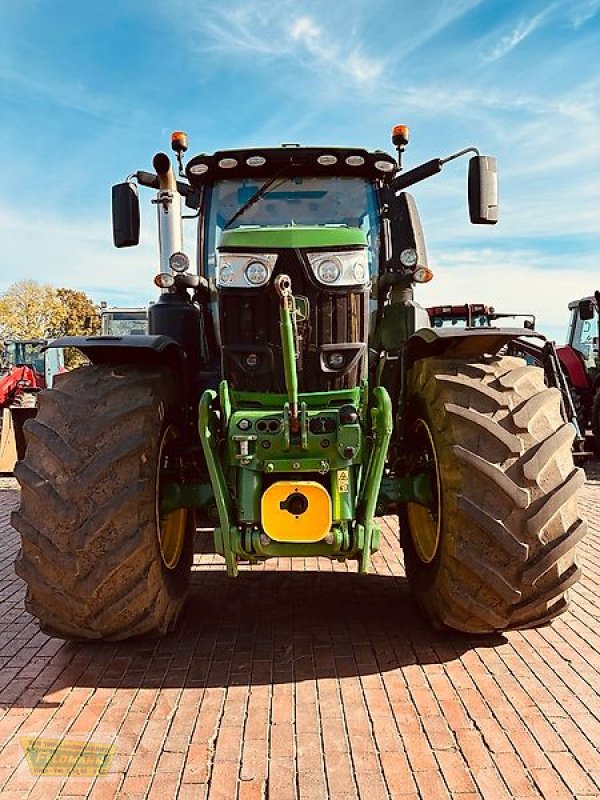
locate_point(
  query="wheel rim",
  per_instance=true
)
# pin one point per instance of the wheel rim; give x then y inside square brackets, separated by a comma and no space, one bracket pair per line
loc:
[425,523]
[171,528]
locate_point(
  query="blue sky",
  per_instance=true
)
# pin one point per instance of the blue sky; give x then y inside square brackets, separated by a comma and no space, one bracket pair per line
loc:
[90,91]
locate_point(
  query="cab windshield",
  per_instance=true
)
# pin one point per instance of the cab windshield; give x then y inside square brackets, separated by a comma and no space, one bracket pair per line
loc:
[124,323]
[584,335]
[335,201]
[29,353]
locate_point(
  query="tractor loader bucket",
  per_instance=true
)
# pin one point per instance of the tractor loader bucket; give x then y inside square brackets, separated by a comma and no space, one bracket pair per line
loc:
[12,437]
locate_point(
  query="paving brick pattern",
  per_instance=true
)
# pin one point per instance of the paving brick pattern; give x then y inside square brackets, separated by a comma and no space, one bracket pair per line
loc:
[308,682]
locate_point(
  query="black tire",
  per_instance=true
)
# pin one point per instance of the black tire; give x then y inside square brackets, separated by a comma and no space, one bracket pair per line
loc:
[503,553]
[596,419]
[90,551]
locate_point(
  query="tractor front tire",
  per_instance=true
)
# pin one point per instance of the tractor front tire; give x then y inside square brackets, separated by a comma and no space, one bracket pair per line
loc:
[496,550]
[98,560]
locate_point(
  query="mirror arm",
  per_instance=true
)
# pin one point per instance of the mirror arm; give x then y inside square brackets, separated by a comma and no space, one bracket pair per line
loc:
[417,174]
[427,169]
[459,154]
[150,179]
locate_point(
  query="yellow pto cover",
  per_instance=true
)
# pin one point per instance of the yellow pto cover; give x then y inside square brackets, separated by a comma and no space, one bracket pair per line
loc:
[296,511]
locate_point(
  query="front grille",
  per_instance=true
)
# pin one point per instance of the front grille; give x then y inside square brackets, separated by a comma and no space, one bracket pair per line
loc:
[250,335]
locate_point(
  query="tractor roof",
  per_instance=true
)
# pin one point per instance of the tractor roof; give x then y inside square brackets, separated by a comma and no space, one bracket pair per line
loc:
[290,160]
[460,312]
[592,298]
[26,341]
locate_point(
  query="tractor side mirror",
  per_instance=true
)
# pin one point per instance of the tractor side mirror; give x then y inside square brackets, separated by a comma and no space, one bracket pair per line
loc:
[483,190]
[586,309]
[405,233]
[125,214]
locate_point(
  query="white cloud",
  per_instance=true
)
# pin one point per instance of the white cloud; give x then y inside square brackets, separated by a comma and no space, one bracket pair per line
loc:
[304,28]
[584,11]
[326,51]
[522,30]
[77,254]
[236,30]
[515,281]
[424,21]
[364,70]
[278,32]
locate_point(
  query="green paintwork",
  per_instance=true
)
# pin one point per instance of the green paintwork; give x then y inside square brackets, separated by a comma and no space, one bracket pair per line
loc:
[383,426]
[270,451]
[180,495]
[208,428]
[225,403]
[251,436]
[299,548]
[238,473]
[408,489]
[392,491]
[315,400]
[249,492]
[296,236]
[288,351]
[261,549]
[342,503]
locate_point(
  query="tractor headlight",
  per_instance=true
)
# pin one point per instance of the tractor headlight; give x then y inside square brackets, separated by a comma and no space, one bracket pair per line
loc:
[359,272]
[342,268]
[408,257]
[179,262]
[256,273]
[225,274]
[329,270]
[244,270]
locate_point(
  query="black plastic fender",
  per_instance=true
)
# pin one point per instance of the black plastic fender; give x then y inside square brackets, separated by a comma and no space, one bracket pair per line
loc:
[160,351]
[461,343]
[145,350]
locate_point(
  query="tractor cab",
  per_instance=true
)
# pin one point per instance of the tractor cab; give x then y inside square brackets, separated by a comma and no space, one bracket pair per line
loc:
[123,321]
[290,187]
[25,352]
[475,315]
[584,329]
[34,354]
[580,359]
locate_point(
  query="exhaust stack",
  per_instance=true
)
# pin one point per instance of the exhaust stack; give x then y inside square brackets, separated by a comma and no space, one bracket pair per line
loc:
[168,202]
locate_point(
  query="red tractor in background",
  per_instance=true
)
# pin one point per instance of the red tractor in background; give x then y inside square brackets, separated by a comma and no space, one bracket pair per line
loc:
[26,368]
[580,360]
[473,315]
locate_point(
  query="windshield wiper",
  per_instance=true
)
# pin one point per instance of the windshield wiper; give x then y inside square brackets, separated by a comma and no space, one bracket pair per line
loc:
[262,190]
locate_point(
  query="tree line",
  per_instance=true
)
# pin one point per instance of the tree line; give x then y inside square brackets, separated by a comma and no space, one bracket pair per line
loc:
[30,310]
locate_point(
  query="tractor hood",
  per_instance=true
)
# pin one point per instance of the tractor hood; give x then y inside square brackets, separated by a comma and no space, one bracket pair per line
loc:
[292,237]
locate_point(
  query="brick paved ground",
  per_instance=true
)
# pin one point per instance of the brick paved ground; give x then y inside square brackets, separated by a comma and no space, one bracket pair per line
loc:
[310,685]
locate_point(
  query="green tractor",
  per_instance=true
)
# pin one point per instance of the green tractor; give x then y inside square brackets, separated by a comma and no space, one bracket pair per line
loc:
[289,392]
